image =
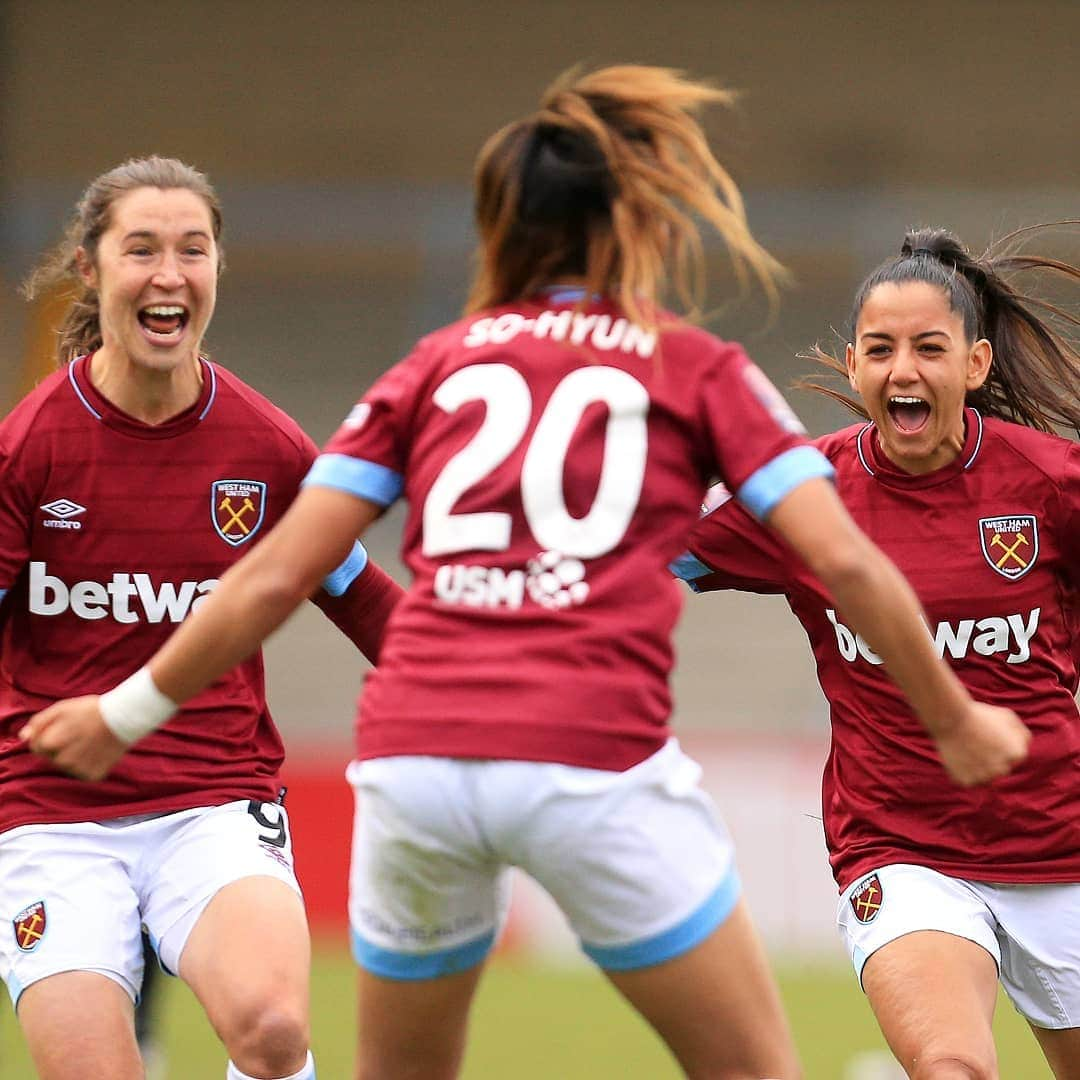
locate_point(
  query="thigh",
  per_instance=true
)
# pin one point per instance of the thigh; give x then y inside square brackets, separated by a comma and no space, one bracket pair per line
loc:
[79,1024]
[717,1005]
[193,855]
[1061,1048]
[67,895]
[638,861]
[427,895]
[925,949]
[933,995]
[413,1029]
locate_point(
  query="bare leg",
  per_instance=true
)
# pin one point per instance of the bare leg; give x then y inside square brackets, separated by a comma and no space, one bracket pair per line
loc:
[717,1006]
[248,960]
[413,1030]
[933,995]
[80,1024]
[1062,1050]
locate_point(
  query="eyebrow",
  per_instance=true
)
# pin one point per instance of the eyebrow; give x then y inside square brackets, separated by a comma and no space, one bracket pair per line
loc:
[137,234]
[889,337]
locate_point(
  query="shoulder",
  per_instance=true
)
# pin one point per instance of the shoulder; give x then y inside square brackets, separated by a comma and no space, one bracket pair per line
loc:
[1018,446]
[236,395]
[842,446]
[51,394]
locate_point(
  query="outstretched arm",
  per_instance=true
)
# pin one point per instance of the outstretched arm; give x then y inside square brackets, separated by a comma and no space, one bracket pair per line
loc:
[977,742]
[251,601]
[363,609]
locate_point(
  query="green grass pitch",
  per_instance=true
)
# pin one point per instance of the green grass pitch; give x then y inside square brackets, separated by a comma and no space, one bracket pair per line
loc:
[538,1023]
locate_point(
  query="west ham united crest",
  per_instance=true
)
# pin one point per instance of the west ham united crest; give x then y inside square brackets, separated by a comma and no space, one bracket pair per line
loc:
[237,508]
[29,926]
[1010,543]
[866,899]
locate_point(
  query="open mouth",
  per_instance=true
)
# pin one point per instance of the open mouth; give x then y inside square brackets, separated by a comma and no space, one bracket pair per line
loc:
[909,414]
[163,320]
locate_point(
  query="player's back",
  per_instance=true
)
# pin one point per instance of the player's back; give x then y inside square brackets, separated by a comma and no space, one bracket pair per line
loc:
[553,454]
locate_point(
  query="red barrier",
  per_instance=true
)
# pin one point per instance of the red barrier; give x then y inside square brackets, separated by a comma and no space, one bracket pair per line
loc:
[320,806]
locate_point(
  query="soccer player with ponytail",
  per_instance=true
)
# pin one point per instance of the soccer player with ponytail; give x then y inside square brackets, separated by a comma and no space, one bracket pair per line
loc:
[130,481]
[554,445]
[962,373]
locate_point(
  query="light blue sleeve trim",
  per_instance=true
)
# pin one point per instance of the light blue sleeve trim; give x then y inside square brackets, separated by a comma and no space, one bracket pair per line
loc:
[781,476]
[3,593]
[688,567]
[412,967]
[681,938]
[365,479]
[336,582]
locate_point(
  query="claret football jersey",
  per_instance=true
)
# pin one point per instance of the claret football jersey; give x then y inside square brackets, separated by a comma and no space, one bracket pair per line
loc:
[111,531]
[991,544]
[553,454]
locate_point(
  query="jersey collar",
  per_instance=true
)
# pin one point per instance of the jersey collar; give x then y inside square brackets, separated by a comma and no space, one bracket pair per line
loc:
[874,461]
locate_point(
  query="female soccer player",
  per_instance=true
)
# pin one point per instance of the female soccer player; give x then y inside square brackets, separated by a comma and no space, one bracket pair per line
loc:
[553,446]
[961,376]
[129,482]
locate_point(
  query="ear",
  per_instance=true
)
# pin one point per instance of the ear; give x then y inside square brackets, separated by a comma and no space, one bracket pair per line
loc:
[979,360]
[849,360]
[86,268]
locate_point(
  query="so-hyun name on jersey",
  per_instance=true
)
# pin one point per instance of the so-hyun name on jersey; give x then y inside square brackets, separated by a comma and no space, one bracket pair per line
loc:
[991,543]
[553,455]
[111,532]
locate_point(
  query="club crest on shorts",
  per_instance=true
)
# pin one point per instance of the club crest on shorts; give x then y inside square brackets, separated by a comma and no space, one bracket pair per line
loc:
[866,899]
[237,508]
[29,926]
[1010,543]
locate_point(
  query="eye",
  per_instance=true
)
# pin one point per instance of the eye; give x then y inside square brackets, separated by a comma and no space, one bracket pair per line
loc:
[140,249]
[877,350]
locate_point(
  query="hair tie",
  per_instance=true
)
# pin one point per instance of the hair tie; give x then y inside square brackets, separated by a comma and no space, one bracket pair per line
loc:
[923,251]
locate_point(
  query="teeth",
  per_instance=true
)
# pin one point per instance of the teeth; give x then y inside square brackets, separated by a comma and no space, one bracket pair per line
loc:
[907,401]
[164,309]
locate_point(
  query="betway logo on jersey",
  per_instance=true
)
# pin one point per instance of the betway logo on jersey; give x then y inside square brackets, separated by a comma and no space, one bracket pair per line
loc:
[600,331]
[126,598]
[1010,634]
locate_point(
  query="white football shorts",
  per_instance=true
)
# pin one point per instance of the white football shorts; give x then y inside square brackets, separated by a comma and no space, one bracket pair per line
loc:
[638,861]
[1031,931]
[75,897]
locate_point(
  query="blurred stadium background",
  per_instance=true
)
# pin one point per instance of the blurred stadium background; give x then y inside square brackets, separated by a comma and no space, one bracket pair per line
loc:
[341,138]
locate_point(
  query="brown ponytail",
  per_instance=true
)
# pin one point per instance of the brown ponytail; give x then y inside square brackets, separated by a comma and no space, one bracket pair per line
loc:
[604,183]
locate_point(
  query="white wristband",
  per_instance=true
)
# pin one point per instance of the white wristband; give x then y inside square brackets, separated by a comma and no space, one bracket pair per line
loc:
[135,707]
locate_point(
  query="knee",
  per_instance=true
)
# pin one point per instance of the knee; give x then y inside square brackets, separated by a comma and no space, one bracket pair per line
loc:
[954,1066]
[271,1040]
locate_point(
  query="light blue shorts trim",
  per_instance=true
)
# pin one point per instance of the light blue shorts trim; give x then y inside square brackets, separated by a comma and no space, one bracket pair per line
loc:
[681,938]
[411,967]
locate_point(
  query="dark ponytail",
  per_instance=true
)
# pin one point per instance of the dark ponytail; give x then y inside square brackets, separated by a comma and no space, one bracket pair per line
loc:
[1035,375]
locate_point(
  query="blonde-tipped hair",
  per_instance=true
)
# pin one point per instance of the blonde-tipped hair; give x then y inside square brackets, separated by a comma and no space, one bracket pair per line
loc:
[605,182]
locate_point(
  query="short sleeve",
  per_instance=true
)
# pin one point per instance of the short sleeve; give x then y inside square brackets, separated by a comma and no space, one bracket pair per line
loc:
[729,549]
[366,456]
[761,449]
[16,503]
[1070,513]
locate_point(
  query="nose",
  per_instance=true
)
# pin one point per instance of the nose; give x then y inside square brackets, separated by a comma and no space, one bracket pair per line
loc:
[904,368]
[167,273]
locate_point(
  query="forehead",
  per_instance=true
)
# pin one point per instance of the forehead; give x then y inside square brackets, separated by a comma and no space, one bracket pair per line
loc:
[160,210]
[908,303]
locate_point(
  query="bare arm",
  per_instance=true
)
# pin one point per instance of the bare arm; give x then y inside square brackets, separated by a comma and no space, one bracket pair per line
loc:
[977,742]
[251,601]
